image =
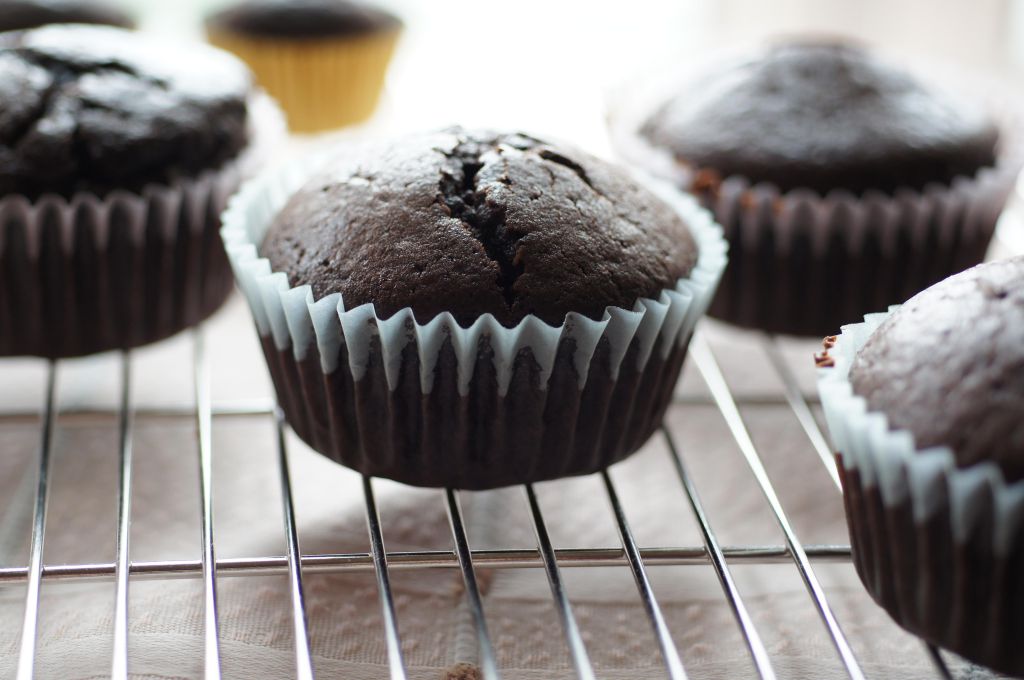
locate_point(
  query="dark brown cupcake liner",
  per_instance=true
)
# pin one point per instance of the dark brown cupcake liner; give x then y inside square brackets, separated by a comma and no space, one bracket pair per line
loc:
[437,404]
[940,548]
[90,274]
[482,439]
[958,594]
[804,264]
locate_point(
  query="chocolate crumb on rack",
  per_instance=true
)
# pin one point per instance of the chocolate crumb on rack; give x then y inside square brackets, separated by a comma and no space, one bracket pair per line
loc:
[824,359]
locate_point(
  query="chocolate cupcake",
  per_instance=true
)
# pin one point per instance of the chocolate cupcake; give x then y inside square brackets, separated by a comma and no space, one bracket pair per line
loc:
[926,409]
[844,183]
[20,15]
[471,309]
[117,154]
[323,60]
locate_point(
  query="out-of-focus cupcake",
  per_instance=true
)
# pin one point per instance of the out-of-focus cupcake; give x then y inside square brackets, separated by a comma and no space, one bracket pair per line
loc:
[845,183]
[20,15]
[472,308]
[323,60]
[117,155]
[926,409]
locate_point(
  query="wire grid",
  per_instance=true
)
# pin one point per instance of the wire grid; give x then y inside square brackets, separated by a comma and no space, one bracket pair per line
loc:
[462,556]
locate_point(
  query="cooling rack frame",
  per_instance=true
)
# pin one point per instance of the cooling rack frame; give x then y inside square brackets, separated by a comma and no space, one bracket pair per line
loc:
[123,571]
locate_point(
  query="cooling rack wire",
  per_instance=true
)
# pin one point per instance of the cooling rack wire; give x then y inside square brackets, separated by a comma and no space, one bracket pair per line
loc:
[123,571]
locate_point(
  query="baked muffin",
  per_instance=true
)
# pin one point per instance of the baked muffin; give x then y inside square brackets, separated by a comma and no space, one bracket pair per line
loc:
[323,60]
[490,309]
[845,183]
[926,407]
[117,153]
[19,15]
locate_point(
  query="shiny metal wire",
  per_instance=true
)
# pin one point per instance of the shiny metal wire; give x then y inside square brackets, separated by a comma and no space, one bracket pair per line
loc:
[669,651]
[204,442]
[381,562]
[34,571]
[702,355]
[300,616]
[119,663]
[387,601]
[577,649]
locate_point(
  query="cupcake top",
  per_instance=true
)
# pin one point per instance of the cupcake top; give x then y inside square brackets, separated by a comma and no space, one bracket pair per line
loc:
[302,19]
[98,108]
[18,15]
[823,116]
[473,222]
[949,366]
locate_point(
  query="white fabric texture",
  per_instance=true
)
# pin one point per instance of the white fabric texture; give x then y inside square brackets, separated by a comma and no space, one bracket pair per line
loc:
[75,630]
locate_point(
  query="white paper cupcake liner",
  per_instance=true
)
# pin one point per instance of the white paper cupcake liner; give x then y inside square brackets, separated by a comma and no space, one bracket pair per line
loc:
[940,547]
[87,274]
[441,365]
[804,264]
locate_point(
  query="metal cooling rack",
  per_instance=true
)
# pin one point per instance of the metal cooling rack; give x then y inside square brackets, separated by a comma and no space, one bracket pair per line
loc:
[295,563]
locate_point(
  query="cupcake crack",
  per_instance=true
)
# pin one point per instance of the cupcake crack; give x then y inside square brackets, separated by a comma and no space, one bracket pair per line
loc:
[555,157]
[99,110]
[468,202]
[66,73]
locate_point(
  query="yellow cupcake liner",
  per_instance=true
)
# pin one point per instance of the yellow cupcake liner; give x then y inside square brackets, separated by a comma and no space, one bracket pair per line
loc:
[320,83]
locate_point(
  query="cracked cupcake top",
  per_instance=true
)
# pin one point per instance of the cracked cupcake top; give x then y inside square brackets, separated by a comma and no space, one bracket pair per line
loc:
[949,366]
[823,116]
[475,222]
[99,108]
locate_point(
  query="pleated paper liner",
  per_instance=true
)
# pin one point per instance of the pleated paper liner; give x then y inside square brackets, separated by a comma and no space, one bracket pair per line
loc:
[322,83]
[804,264]
[90,274]
[437,404]
[940,548]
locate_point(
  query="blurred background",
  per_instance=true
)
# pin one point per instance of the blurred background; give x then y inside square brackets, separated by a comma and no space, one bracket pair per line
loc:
[551,66]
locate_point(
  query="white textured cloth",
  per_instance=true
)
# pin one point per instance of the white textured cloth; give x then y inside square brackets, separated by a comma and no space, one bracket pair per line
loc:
[75,630]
